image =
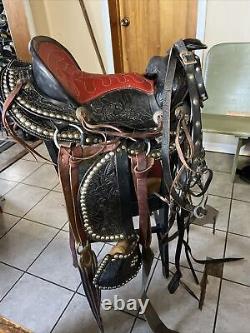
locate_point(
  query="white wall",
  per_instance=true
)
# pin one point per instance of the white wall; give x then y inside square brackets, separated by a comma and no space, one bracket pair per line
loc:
[64,21]
[225,21]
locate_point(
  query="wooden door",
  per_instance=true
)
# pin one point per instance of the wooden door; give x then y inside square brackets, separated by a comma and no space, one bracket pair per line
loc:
[153,25]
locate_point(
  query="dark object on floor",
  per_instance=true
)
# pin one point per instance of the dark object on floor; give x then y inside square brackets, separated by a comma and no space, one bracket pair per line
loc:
[134,149]
[244,173]
[6,144]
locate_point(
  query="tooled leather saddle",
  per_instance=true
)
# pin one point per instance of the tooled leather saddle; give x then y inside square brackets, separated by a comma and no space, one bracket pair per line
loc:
[128,145]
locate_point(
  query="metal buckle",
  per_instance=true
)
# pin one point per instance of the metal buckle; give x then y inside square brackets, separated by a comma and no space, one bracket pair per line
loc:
[188,58]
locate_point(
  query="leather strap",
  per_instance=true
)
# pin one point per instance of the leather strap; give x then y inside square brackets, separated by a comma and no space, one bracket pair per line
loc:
[68,169]
[141,166]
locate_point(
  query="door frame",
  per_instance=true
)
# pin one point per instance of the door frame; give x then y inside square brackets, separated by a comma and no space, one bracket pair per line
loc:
[115,18]
[18,25]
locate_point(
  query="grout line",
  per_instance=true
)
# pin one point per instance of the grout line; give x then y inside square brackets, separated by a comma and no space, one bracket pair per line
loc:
[62,313]
[26,271]
[229,198]
[239,283]
[18,220]
[224,253]
[133,325]
[47,225]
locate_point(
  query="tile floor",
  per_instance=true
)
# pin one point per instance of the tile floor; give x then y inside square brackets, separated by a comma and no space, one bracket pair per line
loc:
[41,290]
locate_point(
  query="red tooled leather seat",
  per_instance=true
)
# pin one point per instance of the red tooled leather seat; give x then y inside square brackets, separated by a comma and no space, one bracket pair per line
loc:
[58,75]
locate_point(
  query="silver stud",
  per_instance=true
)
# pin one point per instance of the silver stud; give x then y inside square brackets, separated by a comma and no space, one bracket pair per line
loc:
[88,140]
[197,124]
[197,69]
[195,101]
[191,76]
[45,113]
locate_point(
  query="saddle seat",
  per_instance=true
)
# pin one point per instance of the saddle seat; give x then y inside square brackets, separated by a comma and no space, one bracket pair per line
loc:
[57,74]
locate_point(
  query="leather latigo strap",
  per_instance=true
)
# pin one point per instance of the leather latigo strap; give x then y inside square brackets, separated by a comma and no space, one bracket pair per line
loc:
[141,165]
[68,169]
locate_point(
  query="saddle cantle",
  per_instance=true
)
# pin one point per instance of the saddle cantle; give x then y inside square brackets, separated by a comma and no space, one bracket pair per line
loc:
[120,99]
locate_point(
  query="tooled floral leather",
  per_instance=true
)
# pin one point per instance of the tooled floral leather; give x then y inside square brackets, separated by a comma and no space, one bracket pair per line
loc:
[82,86]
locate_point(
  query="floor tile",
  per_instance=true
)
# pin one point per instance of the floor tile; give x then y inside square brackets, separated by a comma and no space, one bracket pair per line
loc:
[8,276]
[234,309]
[45,177]
[6,186]
[180,311]
[50,210]
[22,198]
[222,205]
[11,152]
[19,170]
[221,185]
[78,319]
[238,246]
[241,190]
[41,149]
[58,188]
[55,263]
[219,161]
[66,227]
[203,244]
[23,243]
[35,304]
[239,218]
[7,222]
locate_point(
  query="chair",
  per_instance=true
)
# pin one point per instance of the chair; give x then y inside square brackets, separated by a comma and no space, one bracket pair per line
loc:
[227,79]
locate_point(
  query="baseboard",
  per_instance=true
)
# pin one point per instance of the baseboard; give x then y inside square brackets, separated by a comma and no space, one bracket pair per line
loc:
[228,148]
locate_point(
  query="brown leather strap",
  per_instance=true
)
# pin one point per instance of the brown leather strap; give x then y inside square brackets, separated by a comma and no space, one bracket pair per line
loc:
[68,173]
[141,164]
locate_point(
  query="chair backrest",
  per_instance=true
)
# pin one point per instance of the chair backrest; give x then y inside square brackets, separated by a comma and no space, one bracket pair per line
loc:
[227,79]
